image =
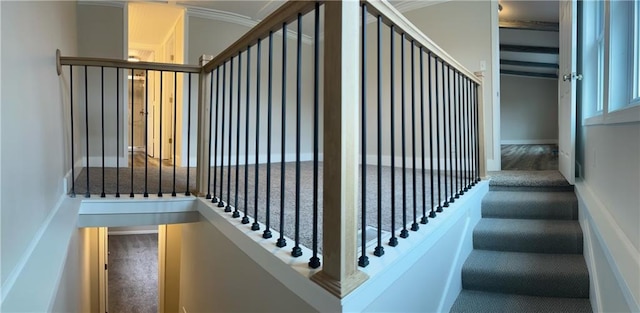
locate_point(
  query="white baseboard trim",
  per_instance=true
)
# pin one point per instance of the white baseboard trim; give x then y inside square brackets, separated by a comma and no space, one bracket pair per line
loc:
[622,256]
[529,142]
[386,161]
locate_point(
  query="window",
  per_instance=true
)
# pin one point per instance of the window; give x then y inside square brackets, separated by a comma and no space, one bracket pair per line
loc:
[611,61]
[636,52]
[600,44]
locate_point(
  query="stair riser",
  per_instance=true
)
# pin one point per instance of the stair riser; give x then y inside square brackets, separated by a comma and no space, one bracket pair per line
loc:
[534,244]
[533,285]
[531,188]
[566,210]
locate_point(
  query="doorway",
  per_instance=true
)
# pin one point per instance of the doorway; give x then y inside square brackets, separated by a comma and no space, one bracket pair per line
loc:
[132,269]
[155,34]
[529,65]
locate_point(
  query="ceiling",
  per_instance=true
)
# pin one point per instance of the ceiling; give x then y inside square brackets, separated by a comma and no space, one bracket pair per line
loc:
[528,16]
[540,10]
[149,23]
[529,40]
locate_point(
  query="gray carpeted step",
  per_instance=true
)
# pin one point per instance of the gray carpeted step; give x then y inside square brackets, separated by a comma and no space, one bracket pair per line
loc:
[489,302]
[534,274]
[529,181]
[518,235]
[530,205]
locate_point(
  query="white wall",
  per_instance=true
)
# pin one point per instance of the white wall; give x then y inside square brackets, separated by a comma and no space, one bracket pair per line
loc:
[35,149]
[203,39]
[528,110]
[101,34]
[468,31]
[217,275]
[610,207]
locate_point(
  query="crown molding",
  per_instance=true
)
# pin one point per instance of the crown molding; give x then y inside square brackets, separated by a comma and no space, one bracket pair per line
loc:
[406,6]
[238,19]
[219,15]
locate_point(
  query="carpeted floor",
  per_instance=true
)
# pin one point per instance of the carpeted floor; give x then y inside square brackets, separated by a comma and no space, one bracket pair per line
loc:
[306,193]
[528,247]
[133,273]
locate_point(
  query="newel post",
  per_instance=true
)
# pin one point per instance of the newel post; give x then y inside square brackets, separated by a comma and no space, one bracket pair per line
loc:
[204,114]
[481,127]
[340,274]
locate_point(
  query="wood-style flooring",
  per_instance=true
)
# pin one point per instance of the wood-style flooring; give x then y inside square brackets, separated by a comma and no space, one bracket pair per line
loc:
[529,157]
[138,160]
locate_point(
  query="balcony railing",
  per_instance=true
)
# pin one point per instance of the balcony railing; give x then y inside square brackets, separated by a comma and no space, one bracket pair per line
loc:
[297,128]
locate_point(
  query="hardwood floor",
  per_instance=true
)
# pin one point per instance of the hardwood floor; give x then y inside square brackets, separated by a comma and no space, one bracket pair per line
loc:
[139,159]
[529,157]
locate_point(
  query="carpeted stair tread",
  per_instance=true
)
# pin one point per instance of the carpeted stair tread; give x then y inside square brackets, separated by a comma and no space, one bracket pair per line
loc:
[530,205]
[535,274]
[529,181]
[519,235]
[472,301]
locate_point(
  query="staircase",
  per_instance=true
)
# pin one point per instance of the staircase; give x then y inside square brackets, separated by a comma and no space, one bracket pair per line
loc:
[527,253]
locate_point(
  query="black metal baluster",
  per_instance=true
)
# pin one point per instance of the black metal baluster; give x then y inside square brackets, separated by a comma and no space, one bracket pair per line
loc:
[404,233]
[477,110]
[117,132]
[236,213]
[463,152]
[467,137]
[432,213]
[363,260]
[314,261]
[221,203]
[297,251]
[379,249]
[414,226]
[86,126]
[102,195]
[424,219]
[208,196]
[227,208]
[471,137]
[73,165]
[445,103]
[267,231]
[439,208]
[245,217]
[160,136]
[146,133]
[214,198]
[281,242]
[187,192]
[174,140]
[255,225]
[393,241]
[451,98]
[456,135]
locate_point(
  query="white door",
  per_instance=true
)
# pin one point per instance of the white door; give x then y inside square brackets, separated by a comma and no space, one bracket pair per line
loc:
[567,89]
